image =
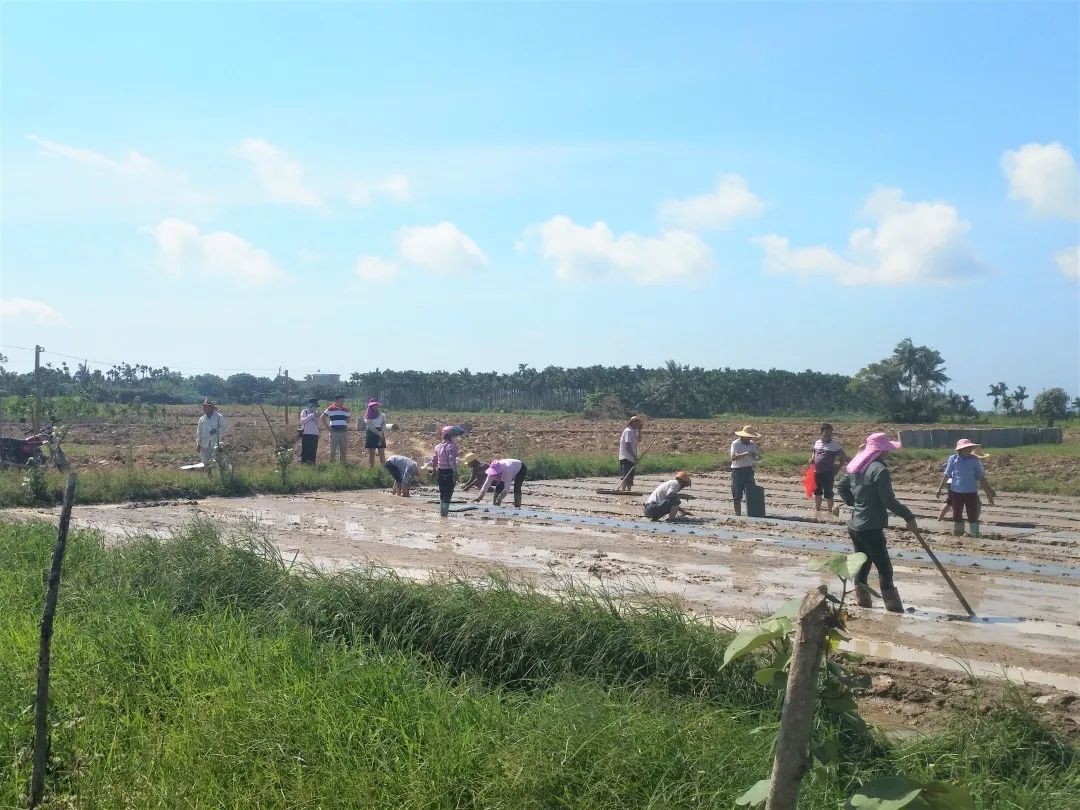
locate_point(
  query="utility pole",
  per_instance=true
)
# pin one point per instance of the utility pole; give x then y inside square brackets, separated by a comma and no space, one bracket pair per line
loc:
[286,398]
[37,386]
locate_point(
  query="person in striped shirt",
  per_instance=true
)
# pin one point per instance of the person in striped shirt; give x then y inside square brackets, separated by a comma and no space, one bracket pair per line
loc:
[828,454]
[336,420]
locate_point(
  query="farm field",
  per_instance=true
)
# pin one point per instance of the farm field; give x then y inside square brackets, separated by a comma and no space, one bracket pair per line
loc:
[1022,576]
[166,442]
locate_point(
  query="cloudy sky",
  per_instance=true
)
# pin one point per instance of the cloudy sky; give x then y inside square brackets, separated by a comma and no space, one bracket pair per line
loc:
[343,187]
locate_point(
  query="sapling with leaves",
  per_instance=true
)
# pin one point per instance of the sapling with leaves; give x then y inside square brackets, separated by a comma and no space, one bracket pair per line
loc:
[836,685]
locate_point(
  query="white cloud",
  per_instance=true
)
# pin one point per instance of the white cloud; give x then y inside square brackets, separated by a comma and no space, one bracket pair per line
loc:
[713,211]
[1068,261]
[595,252]
[135,165]
[911,243]
[37,311]
[220,254]
[394,188]
[1045,176]
[372,268]
[281,177]
[442,248]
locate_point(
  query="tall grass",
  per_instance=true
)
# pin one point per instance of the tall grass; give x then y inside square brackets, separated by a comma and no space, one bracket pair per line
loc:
[199,672]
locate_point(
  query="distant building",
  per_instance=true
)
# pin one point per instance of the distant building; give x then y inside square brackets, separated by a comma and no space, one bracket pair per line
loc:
[324,379]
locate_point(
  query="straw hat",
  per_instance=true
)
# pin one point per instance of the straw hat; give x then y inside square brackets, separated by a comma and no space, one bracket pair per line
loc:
[748,432]
[469,458]
[964,444]
[635,420]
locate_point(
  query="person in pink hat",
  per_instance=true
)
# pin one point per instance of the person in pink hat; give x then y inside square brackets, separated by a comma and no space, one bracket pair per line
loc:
[867,489]
[964,474]
[444,462]
[504,473]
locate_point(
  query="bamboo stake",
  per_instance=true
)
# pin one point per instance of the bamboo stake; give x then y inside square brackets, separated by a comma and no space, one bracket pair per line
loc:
[41,702]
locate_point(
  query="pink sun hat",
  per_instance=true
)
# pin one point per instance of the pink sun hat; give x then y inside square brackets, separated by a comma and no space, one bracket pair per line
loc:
[963,444]
[495,468]
[877,445]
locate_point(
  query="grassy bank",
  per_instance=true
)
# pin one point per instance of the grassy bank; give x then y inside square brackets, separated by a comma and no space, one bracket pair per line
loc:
[199,672]
[134,484]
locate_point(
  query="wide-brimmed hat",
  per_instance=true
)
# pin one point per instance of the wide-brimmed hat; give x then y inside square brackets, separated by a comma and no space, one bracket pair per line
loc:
[494,468]
[636,420]
[683,477]
[877,444]
[963,444]
[469,458]
[748,432]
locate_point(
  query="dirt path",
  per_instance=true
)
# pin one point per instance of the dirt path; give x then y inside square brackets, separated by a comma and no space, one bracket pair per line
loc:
[1022,577]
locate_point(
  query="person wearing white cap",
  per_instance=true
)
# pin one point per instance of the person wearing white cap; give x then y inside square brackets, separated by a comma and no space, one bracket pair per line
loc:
[209,434]
[744,455]
[964,474]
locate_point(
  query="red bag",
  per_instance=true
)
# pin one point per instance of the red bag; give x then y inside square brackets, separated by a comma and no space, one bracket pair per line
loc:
[809,481]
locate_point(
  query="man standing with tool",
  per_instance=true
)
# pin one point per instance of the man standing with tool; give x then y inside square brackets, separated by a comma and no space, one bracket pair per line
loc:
[867,489]
[209,434]
[628,452]
[744,455]
[336,420]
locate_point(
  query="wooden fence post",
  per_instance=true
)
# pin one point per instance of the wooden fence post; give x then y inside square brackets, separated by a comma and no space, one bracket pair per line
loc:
[41,702]
[800,700]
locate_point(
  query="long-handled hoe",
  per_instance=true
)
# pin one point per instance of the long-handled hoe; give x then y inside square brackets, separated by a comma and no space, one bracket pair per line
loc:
[944,573]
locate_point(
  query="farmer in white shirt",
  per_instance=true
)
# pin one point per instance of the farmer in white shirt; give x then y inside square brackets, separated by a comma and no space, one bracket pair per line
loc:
[309,432]
[209,434]
[744,455]
[665,499]
[628,452]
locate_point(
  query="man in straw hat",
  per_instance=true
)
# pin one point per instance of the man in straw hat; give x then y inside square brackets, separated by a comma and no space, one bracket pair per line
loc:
[744,455]
[628,452]
[209,433]
[867,489]
[964,474]
[477,471]
[665,499]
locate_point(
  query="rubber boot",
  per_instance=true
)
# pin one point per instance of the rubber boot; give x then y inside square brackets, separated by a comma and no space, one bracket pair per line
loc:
[891,598]
[862,596]
[975,528]
[444,509]
[517,501]
[958,528]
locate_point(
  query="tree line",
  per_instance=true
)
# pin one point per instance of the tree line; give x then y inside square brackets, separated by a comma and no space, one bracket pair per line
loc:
[907,386]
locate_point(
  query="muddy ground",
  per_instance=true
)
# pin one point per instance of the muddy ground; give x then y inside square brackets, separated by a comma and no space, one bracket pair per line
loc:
[1022,577]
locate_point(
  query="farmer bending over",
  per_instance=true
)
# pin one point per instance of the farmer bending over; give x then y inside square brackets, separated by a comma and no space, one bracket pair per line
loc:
[665,499]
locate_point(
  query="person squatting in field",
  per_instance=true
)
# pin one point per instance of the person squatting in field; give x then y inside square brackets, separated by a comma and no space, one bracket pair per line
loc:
[504,473]
[477,471]
[309,432]
[444,462]
[336,421]
[665,500]
[744,455]
[826,456]
[628,452]
[867,489]
[374,435]
[964,474]
[209,433]
[404,471]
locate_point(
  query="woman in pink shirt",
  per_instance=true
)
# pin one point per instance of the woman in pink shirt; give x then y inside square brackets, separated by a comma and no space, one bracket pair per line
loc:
[444,463]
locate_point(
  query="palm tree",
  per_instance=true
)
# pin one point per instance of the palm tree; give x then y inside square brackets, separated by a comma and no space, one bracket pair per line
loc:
[997,391]
[1019,396]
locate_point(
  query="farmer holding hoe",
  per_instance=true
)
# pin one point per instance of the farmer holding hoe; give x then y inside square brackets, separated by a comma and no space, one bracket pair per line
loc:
[628,452]
[867,489]
[964,474]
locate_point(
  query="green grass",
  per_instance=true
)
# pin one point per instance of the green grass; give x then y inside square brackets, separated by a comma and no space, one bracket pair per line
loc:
[198,672]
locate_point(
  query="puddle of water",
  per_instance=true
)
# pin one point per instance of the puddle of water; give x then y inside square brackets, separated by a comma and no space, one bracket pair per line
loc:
[895,652]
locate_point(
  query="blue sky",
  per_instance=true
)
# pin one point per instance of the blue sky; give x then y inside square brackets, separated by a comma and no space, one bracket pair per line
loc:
[343,187]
